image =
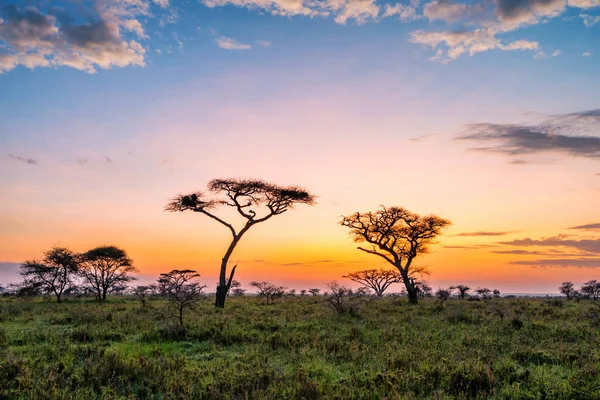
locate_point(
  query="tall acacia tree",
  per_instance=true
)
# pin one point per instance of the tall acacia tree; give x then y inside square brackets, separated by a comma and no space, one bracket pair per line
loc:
[398,236]
[255,200]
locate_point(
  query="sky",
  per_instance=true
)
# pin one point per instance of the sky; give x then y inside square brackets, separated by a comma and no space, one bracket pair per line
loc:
[484,113]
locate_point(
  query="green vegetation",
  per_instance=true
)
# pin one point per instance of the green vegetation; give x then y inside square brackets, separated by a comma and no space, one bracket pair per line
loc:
[300,348]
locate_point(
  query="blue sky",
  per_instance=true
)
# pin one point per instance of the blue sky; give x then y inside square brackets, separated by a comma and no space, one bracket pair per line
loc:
[106,102]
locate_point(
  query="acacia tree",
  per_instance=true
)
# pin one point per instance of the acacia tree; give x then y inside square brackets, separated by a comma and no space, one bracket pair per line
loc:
[567,288]
[181,290]
[398,236]
[53,274]
[255,201]
[314,291]
[442,295]
[591,289]
[376,279]
[483,292]
[105,269]
[268,290]
[462,291]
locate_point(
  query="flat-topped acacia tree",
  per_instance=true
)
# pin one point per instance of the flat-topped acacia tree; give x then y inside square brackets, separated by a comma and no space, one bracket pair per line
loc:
[398,236]
[255,200]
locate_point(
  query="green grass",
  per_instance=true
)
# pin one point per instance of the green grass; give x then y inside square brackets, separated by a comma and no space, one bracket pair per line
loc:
[299,348]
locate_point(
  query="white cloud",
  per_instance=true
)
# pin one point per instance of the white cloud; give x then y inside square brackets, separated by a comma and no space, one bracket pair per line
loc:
[450,45]
[584,3]
[449,11]
[405,13]
[341,10]
[556,53]
[540,55]
[589,20]
[586,54]
[230,44]
[263,43]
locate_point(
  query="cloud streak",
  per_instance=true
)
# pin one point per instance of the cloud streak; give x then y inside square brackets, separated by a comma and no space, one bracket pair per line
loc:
[231,44]
[484,233]
[569,135]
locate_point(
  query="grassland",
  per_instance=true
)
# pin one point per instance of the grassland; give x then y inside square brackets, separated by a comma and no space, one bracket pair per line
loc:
[298,348]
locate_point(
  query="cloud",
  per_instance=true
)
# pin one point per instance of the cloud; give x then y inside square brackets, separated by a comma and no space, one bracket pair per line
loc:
[514,13]
[589,20]
[449,11]
[556,53]
[26,160]
[562,262]
[451,45]
[404,12]
[584,3]
[540,55]
[471,247]
[569,134]
[95,39]
[528,253]
[586,54]
[342,11]
[263,43]
[588,245]
[484,233]
[230,44]
[587,227]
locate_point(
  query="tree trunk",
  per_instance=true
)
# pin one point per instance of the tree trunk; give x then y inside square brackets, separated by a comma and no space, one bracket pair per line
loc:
[221,296]
[413,297]
[180,316]
[58,299]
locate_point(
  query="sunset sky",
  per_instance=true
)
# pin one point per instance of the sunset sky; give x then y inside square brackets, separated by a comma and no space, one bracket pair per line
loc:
[485,113]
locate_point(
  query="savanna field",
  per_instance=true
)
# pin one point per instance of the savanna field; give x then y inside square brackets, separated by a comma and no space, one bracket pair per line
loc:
[300,348]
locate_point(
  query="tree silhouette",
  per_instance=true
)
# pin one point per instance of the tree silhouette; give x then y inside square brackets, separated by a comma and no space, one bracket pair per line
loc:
[105,269]
[567,288]
[442,295]
[255,200]
[53,274]
[268,290]
[376,279]
[591,289]
[396,235]
[462,291]
[181,290]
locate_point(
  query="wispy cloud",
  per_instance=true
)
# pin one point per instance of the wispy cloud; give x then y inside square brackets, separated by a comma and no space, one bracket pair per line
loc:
[485,233]
[26,160]
[230,44]
[568,134]
[561,262]
[587,226]
[588,245]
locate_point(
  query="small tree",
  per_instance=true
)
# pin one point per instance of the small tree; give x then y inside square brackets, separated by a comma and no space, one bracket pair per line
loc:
[238,292]
[398,236]
[314,291]
[376,279]
[254,200]
[268,290]
[234,285]
[591,289]
[462,291]
[53,274]
[105,269]
[142,292]
[483,292]
[291,292]
[442,295]
[303,292]
[423,289]
[567,288]
[496,293]
[343,299]
[181,290]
